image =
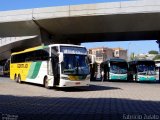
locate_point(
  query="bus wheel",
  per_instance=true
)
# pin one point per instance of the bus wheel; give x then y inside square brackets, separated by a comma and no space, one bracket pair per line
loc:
[46,82]
[19,79]
[15,78]
[102,78]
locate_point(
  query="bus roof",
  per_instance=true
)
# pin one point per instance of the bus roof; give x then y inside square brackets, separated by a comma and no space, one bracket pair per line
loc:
[30,49]
[117,60]
[69,45]
[142,60]
[114,60]
[43,46]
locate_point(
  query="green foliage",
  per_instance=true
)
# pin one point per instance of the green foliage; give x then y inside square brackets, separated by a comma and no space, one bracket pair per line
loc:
[132,56]
[156,57]
[153,52]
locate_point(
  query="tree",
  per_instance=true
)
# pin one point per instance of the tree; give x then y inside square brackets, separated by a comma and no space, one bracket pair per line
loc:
[156,57]
[153,52]
[132,56]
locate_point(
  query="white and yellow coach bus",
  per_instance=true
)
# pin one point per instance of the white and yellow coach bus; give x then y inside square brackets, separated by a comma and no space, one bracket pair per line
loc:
[60,65]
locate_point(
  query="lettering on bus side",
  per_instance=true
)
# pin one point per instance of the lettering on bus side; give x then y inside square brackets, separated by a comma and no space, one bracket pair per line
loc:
[22,65]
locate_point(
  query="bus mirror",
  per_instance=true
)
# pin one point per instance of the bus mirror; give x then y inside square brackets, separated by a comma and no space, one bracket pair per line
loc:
[60,57]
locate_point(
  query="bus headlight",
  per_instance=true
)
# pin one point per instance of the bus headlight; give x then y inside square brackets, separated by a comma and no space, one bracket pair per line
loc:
[88,77]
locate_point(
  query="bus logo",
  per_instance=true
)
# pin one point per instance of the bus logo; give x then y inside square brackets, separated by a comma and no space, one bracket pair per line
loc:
[22,65]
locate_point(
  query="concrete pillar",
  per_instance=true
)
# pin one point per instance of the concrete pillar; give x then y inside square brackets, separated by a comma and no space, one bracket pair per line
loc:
[46,38]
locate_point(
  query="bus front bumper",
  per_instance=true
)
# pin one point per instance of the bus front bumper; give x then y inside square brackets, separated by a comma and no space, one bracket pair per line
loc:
[118,77]
[147,78]
[69,83]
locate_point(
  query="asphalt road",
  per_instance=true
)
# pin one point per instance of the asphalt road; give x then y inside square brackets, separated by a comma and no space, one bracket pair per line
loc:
[101,100]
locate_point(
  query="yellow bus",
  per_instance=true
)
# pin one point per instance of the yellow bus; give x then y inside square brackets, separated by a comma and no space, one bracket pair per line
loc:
[60,65]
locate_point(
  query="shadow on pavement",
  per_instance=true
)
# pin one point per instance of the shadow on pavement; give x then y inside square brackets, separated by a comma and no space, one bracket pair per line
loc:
[77,89]
[125,81]
[49,108]
[148,82]
[129,81]
[4,76]
[86,88]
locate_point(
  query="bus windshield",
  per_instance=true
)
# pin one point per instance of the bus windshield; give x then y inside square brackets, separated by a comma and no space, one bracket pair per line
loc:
[118,68]
[75,64]
[144,69]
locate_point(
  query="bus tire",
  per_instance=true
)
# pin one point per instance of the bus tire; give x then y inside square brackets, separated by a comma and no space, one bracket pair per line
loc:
[19,79]
[102,78]
[46,82]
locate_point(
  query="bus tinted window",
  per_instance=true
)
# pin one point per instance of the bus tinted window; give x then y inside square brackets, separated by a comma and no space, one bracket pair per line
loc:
[38,55]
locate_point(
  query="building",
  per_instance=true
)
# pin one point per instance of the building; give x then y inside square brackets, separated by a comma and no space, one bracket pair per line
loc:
[102,53]
[105,53]
[120,53]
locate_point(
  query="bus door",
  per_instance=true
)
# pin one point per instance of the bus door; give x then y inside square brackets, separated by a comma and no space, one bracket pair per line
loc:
[55,65]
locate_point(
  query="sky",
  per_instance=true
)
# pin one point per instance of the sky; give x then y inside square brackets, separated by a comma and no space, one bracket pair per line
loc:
[133,46]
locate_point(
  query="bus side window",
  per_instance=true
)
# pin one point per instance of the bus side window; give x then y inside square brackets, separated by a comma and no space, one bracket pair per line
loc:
[18,58]
[55,64]
[55,61]
[45,54]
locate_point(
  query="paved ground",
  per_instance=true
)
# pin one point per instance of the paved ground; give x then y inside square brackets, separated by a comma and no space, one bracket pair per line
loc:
[108,100]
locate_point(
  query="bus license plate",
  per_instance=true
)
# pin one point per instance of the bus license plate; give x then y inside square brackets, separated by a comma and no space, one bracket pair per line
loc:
[77,83]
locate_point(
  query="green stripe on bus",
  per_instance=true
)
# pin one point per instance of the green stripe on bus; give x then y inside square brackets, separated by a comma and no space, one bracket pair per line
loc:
[145,78]
[34,70]
[31,70]
[42,47]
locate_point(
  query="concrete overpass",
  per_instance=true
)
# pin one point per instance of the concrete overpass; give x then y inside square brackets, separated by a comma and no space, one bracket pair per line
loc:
[115,21]
[11,44]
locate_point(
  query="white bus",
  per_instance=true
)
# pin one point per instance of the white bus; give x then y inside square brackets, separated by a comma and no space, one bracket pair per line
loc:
[60,65]
[114,69]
